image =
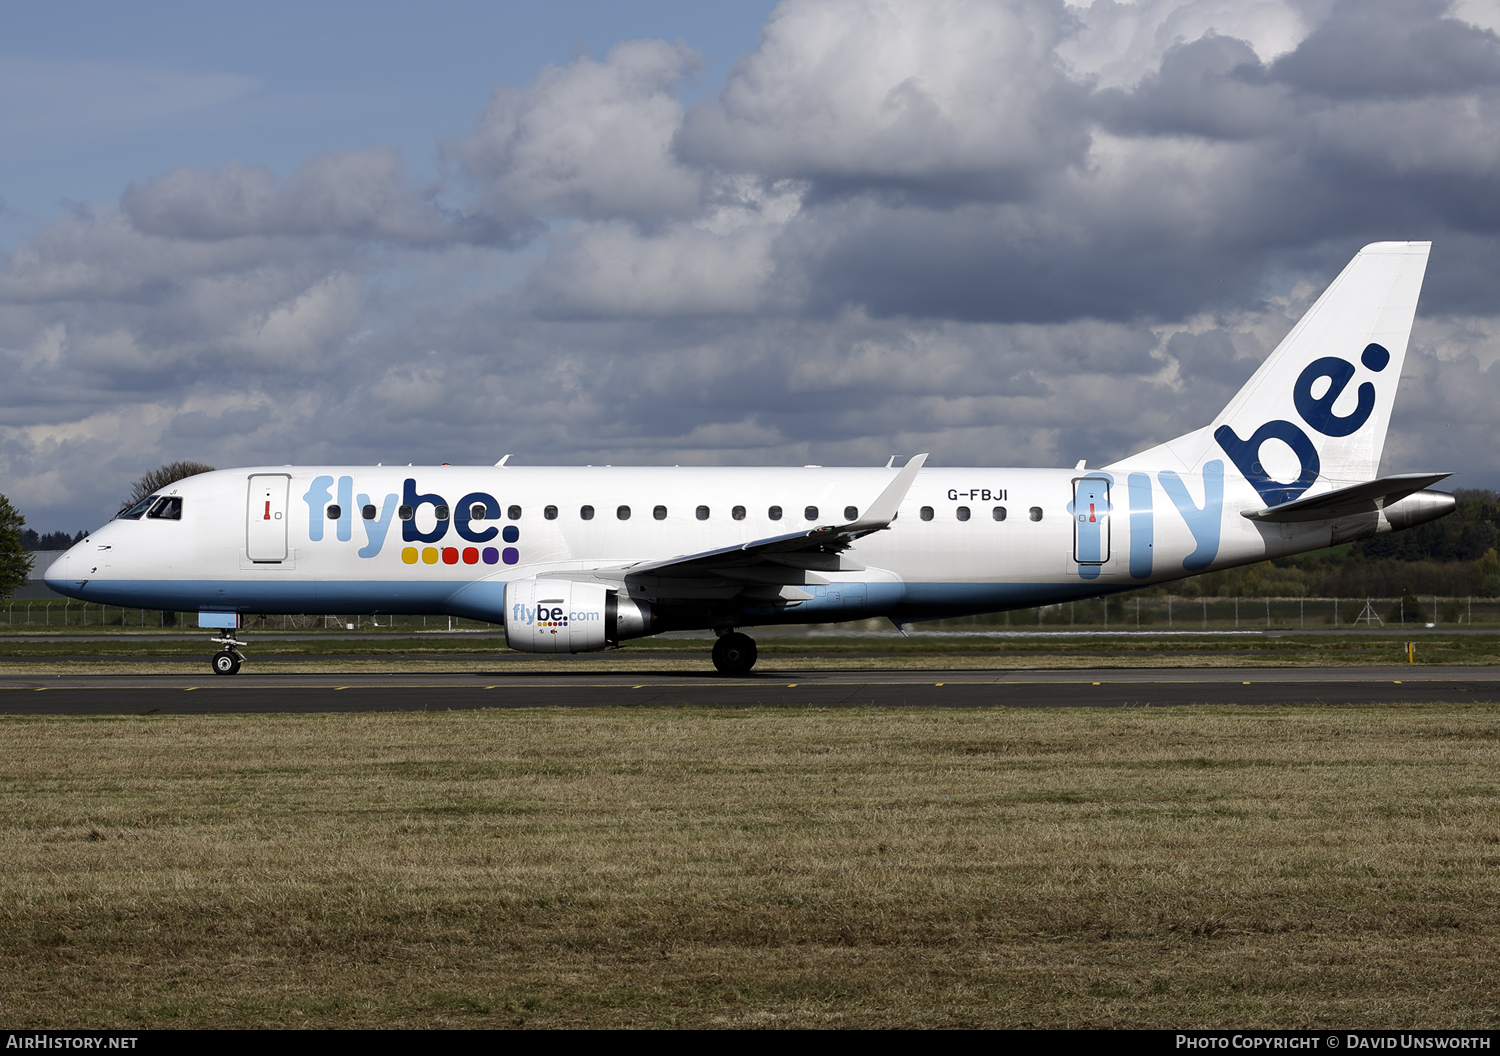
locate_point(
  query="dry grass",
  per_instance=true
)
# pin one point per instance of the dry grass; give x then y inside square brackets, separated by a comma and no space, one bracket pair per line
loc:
[1292,866]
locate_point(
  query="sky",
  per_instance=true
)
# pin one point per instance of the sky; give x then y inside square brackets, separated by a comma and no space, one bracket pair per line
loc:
[655,233]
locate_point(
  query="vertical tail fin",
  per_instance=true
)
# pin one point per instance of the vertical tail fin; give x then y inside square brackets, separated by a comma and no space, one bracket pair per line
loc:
[1314,416]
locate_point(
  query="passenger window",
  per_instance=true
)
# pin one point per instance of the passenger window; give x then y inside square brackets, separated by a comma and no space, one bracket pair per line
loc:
[998,513]
[926,513]
[963,513]
[476,512]
[738,513]
[406,513]
[441,512]
[851,513]
[702,513]
[550,513]
[514,513]
[623,512]
[134,513]
[774,513]
[369,514]
[169,509]
[586,513]
[811,513]
[1036,513]
[659,512]
[335,512]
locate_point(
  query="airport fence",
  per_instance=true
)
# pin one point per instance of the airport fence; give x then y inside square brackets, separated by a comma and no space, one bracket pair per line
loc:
[1121,613]
[1170,612]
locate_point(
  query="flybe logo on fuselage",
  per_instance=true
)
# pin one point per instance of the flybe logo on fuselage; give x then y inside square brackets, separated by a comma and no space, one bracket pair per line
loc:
[1316,411]
[325,504]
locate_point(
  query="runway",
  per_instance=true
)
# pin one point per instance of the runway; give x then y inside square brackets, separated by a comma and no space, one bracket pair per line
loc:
[249,692]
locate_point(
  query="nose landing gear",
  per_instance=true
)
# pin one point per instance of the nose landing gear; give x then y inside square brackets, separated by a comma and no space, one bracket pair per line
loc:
[228,661]
[734,653]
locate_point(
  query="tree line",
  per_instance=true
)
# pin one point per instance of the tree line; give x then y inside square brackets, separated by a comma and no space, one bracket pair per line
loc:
[51,541]
[1452,557]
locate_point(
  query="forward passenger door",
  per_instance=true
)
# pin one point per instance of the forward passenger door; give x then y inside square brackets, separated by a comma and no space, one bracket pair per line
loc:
[265,517]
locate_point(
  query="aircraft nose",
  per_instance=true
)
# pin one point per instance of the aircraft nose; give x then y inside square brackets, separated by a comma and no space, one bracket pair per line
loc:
[57,574]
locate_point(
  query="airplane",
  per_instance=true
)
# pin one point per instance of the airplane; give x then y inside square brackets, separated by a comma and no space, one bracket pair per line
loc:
[573,559]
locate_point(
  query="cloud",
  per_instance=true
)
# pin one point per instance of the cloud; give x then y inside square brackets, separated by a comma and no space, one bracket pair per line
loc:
[1009,233]
[1387,49]
[591,140]
[719,263]
[360,194]
[1215,88]
[1117,45]
[914,98]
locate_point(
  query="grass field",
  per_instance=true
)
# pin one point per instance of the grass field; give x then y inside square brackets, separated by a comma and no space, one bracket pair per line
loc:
[1279,867]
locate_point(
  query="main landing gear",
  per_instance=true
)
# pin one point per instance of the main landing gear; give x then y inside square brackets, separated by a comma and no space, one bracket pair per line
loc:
[229,659]
[734,653]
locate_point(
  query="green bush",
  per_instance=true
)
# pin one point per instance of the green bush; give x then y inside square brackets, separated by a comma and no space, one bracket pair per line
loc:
[15,562]
[1408,610]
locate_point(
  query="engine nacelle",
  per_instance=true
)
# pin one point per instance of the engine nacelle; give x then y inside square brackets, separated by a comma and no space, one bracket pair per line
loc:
[1419,508]
[563,616]
[1416,508]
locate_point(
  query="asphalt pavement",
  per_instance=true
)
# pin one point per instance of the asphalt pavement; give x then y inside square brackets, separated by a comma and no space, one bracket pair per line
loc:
[508,686]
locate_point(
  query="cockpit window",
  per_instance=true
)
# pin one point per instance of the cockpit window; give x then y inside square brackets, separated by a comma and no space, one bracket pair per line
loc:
[134,513]
[166,509]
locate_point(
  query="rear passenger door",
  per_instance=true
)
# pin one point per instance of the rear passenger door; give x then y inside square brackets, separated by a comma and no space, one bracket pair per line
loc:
[265,517]
[1091,520]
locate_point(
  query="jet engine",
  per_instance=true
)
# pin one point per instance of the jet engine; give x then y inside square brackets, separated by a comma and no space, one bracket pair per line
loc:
[1416,508]
[564,616]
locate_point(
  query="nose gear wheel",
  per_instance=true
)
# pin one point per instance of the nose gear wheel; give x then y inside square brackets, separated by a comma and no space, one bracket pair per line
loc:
[228,660]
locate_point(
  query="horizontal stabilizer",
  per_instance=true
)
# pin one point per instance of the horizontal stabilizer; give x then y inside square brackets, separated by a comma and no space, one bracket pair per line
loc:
[1361,498]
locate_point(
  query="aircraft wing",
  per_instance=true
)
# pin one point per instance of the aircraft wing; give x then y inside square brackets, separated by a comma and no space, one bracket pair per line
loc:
[1360,498]
[811,549]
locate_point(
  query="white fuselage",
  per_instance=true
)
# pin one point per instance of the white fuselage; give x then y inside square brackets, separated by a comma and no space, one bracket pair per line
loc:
[284,539]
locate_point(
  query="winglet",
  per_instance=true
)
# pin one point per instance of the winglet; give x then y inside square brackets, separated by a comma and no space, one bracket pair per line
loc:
[882,511]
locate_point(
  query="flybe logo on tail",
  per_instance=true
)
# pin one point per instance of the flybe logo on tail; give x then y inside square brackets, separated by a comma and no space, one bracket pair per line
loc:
[1316,411]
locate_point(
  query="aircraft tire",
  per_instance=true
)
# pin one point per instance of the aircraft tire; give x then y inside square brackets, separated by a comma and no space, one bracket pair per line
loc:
[226,663]
[735,654]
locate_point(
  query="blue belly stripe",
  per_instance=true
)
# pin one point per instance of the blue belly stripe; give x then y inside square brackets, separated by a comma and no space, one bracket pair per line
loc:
[485,599]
